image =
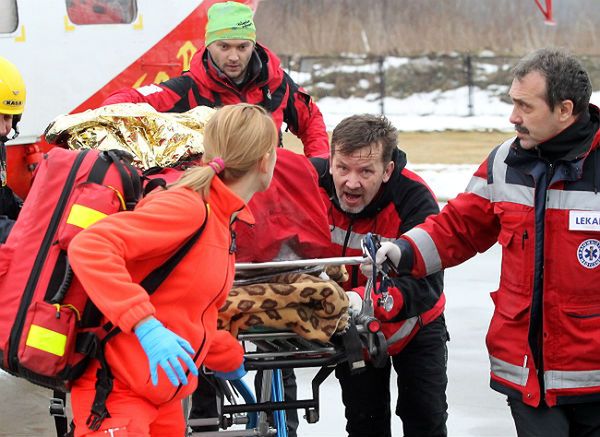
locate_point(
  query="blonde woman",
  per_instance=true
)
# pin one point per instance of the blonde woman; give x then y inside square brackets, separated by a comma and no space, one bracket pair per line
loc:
[167,335]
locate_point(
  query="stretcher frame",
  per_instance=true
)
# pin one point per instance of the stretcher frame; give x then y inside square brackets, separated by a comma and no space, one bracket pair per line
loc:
[271,351]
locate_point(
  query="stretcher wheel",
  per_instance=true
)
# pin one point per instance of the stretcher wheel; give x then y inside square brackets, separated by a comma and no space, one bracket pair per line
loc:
[312,416]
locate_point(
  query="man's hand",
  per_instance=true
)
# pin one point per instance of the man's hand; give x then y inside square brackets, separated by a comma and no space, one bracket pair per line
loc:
[355,300]
[387,251]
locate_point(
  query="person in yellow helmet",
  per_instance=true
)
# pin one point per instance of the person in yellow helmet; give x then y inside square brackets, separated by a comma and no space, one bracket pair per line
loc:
[12,97]
[12,104]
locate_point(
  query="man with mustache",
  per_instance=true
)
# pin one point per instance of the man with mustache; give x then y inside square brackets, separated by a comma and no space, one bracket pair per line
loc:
[234,68]
[537,196]
[367,188]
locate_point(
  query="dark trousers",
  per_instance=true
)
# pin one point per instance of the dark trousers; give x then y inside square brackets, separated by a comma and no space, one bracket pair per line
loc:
[204,402]
[422,381]
[575,420]
[10,206]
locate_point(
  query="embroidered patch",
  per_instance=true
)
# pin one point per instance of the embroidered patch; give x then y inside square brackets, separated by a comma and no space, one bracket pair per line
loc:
[584,221]
[588,253]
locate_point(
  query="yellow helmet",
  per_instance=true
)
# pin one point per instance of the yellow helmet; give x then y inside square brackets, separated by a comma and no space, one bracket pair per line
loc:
[12,89]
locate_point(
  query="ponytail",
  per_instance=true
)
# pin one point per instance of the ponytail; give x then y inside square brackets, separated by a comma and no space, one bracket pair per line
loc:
[235,138]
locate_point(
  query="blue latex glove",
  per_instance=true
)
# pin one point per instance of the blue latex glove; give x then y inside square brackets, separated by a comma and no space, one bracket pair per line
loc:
[234,374]
[165,348]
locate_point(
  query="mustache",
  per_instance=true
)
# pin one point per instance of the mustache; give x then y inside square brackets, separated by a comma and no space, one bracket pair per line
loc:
[521,129]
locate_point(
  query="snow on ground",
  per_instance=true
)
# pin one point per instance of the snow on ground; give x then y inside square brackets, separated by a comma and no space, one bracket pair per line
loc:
[445,180]
[433,111]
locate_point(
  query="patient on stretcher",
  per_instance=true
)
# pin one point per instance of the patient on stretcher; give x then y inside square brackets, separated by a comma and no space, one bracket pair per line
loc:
[312,307]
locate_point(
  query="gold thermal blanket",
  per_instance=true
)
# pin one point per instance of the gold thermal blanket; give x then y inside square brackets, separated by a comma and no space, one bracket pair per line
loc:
[152,138]
[313,308]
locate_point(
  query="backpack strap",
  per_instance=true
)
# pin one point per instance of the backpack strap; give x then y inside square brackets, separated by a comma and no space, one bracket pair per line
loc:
[272,101]
[158,275]
[58,412]
[150,184]
[153,184]
[132,187]
[104,377]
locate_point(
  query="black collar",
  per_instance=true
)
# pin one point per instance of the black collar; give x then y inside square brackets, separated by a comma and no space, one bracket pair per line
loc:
[574,142]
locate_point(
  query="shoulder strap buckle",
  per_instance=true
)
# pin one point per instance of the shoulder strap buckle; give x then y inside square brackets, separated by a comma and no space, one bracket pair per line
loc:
[95,419]
[57,407]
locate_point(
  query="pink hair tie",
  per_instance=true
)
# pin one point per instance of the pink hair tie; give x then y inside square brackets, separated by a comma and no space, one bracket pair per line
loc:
[217,164]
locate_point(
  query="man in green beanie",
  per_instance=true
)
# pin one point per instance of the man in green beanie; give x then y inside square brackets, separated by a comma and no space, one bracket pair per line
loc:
[230,38]
[234,68]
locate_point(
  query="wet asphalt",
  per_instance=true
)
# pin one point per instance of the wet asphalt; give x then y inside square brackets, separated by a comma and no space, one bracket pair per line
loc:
[24,409]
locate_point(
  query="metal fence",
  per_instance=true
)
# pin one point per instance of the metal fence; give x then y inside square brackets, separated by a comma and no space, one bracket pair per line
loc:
[379,77]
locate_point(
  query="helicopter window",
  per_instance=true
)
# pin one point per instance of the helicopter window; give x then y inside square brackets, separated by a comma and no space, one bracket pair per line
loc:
[9,19]
[101,11]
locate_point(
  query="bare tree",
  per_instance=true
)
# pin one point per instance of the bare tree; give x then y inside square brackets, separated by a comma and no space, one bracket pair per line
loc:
[409,27]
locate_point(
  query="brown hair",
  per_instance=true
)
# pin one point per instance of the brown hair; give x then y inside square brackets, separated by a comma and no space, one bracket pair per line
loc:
[240,135]
[566,78]
[358,131]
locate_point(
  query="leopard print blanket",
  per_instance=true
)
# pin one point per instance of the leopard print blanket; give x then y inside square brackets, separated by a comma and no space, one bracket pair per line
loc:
[312,307]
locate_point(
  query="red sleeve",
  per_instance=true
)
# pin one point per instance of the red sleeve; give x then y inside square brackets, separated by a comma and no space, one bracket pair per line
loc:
[311,126]
[160,98]
[225,353]
[466,226]
[100,254]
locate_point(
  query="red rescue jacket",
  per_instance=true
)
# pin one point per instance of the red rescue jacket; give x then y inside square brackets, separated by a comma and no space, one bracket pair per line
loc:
[291,220]
[267,85]
[113,255]
[545,331]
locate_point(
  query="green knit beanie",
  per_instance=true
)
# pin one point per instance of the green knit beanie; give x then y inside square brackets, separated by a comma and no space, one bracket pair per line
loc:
[229,20]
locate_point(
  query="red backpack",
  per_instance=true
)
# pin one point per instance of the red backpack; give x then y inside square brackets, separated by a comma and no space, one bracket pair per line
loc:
[49,329]
[41,302]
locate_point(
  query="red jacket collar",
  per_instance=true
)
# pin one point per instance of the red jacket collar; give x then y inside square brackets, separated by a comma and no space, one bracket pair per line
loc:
[224,202]
[270,73]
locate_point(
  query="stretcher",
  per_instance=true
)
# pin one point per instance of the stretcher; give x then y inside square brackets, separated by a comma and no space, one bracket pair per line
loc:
[271,351]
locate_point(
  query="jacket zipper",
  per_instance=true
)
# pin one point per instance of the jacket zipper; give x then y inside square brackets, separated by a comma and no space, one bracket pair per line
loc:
[347,237]
[32,282]
[354,269]
[524,239]
[197,354]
